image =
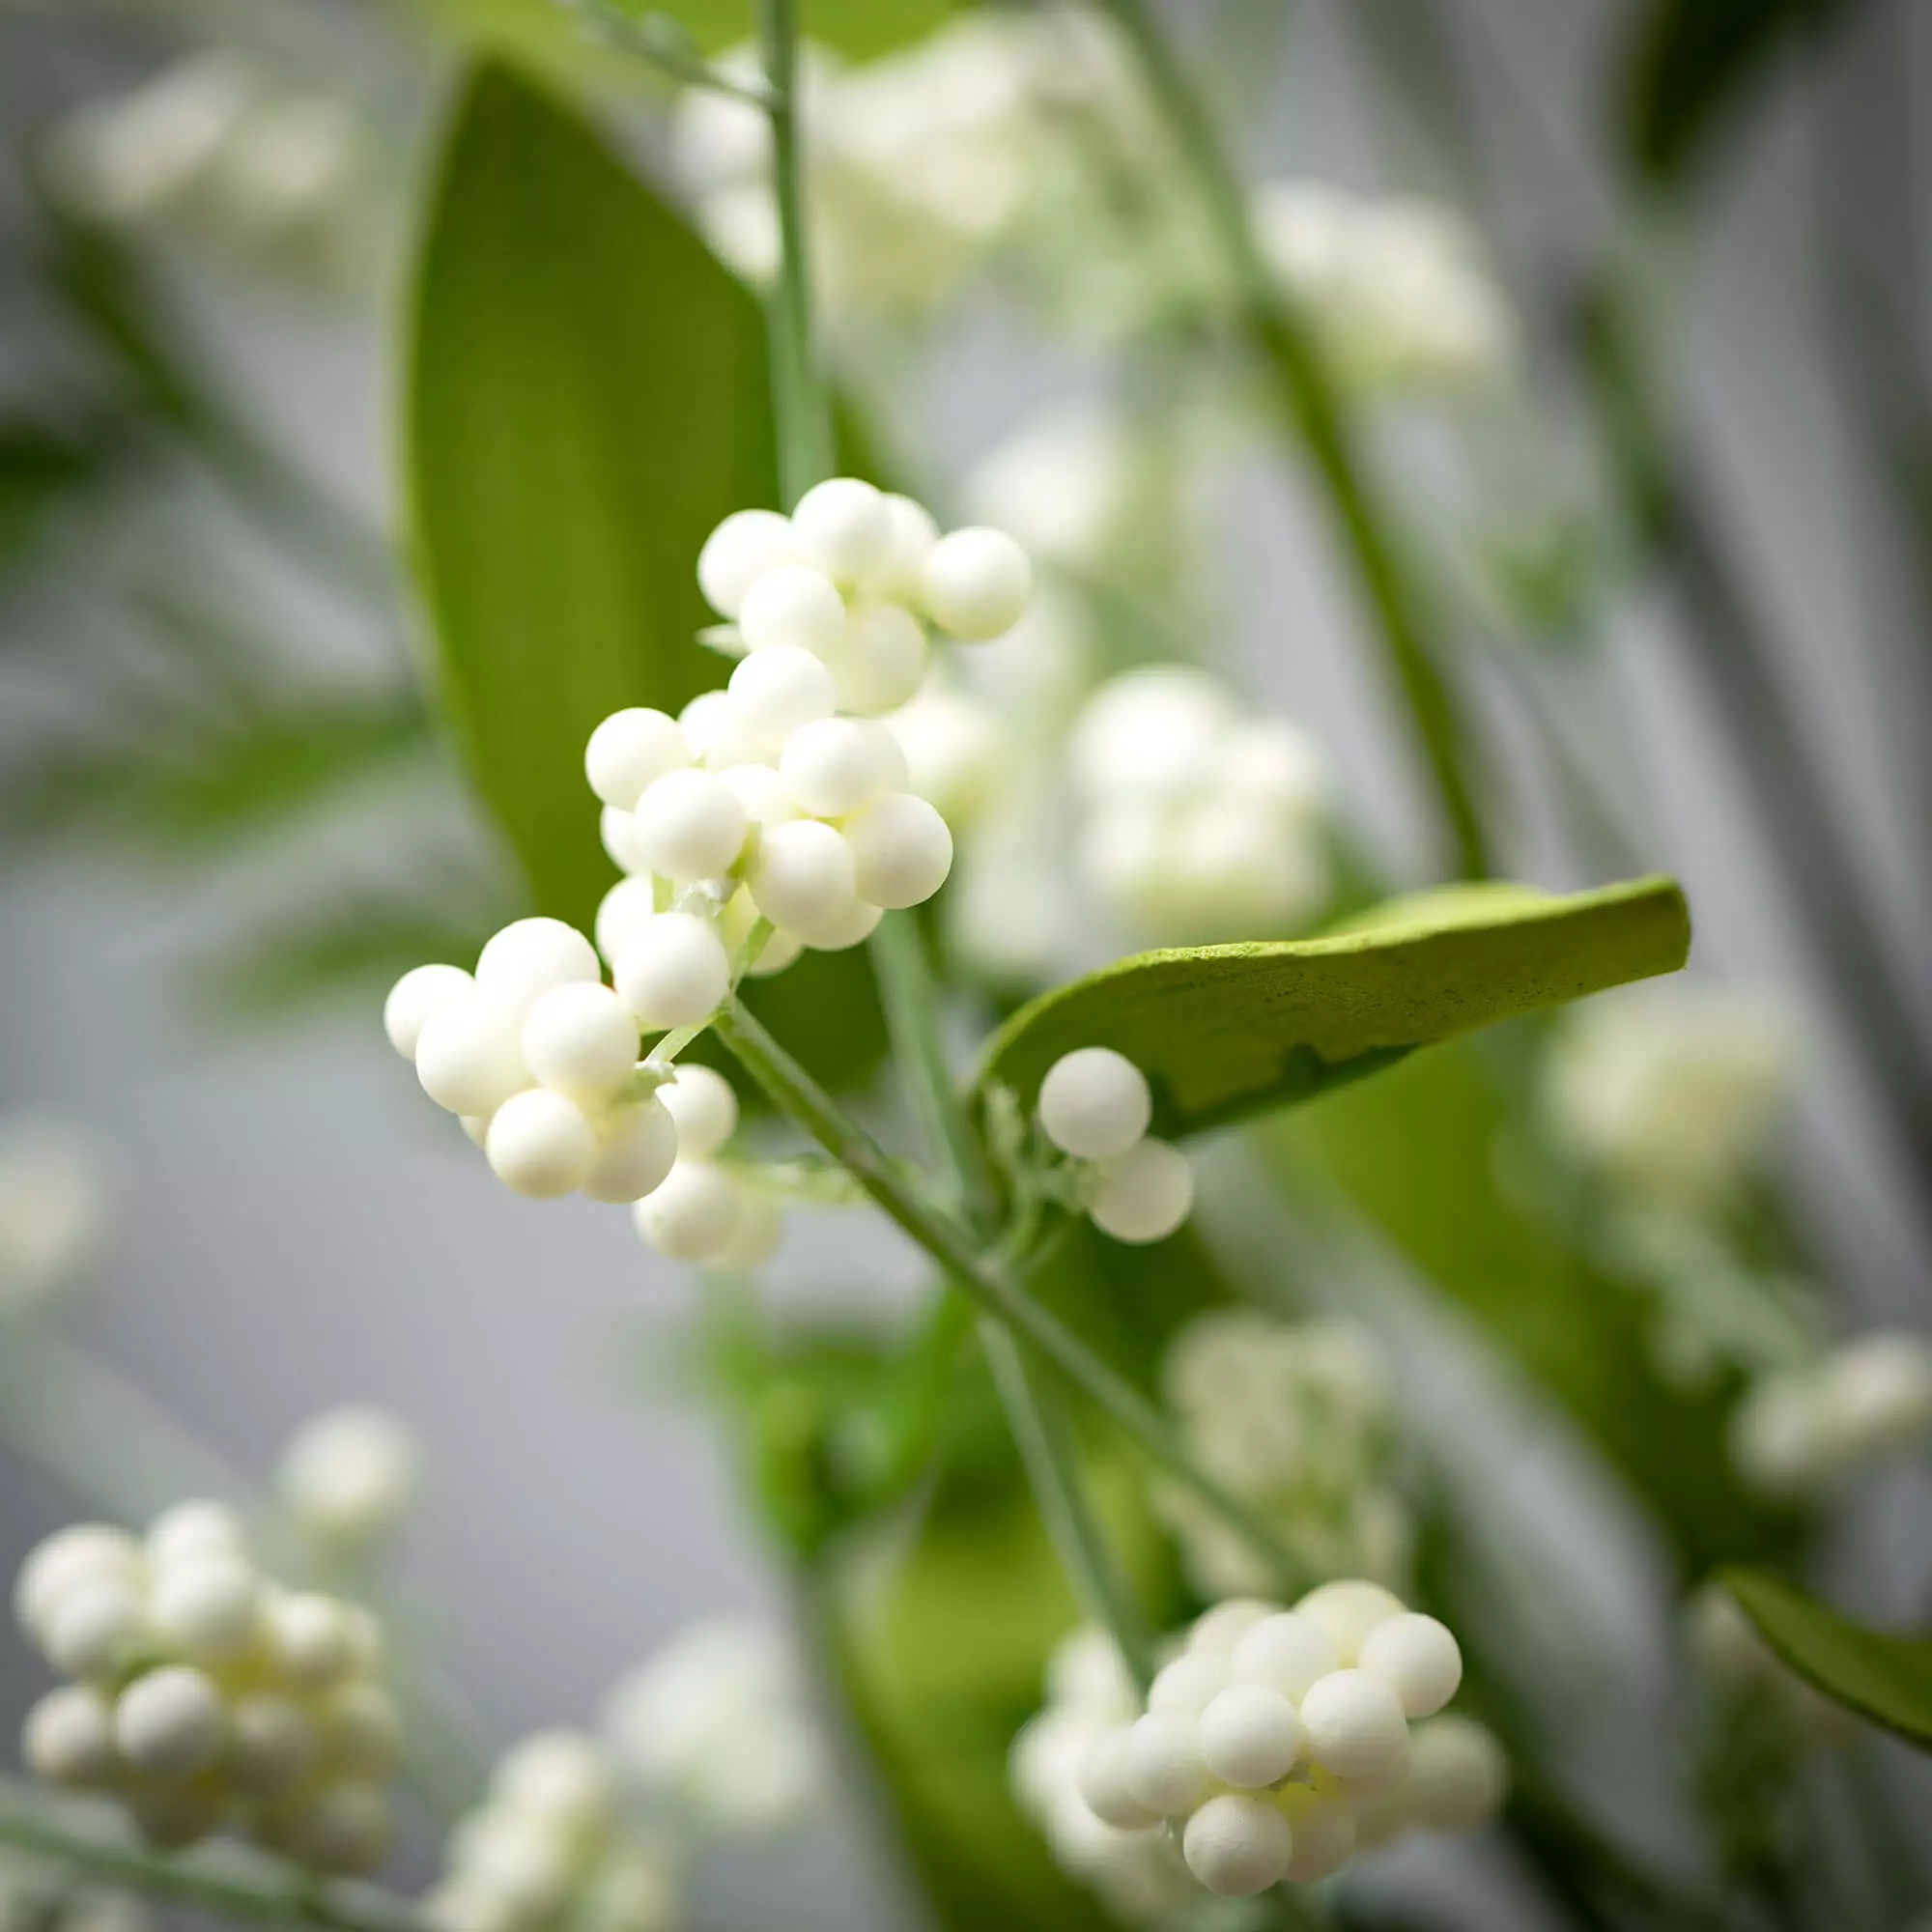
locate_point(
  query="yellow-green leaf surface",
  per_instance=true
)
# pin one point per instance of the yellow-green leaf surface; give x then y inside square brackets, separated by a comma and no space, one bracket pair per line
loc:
[1887,1679]
[1226,1031]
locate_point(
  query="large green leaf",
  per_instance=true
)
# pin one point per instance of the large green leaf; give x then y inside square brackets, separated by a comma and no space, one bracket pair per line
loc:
[1887,1679]
[1225,1031]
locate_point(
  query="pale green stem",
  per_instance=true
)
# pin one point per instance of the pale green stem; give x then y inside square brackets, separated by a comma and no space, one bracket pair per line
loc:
[226,1879]
[1365,524]
[794,1092]
[666,44]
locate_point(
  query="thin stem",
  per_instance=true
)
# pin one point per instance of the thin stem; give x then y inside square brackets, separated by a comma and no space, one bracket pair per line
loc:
[1363,522]
[1040,1434]
[804,415]
[227,1879]
[666,44]
[794,1092]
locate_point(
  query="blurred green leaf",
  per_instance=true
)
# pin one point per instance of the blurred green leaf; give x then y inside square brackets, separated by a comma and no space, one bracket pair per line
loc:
[43,465]
[1887,1679]
[1225,1031]
[1692,63]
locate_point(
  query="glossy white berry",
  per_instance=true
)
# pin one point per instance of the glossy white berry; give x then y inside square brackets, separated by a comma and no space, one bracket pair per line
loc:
[711,729]
[582,1040]
[1164,1770]
[777,691]
[93,1625]
[617,833]
[170,1724]
[844,528]
[1103,1783]
[342,1830]
[672,970]
[636,1146]
[836,766]
[881,661]
[1237,1846]
[745,545]
[913,535]
[778,953]
[765,796]
[622,910]
[804,877]
[348,1476]
[308,1639]
[531,956]
[82,1552]
[206,1606]
[1287,1652]
[1324,1841]
[975,583]
[540,1144]
[469,1057]
[1349,1609]
[1187,1686]
[903,849]
[1418,1657]
[1218,1631]
[691,826]
[1094,1104]
[790,609]
[692,1215]
[752,1242]
[1143,1195]
[272,1745]
[854,929]
[413,998]
[1249,1735]
[1355,1726]
[630,751]
[1457,1776]
[69,1738]
[704,1108]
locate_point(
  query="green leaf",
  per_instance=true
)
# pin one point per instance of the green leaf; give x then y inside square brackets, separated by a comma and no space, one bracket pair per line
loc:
[1226,1031]
[585,402]
[1887,1679]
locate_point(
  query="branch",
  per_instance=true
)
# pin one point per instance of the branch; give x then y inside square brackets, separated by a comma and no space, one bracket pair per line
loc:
[666,44]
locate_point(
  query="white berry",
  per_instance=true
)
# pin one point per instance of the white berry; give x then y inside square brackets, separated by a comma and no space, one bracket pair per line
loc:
[582,1040]
[704,1108]
[913,535]
[83,1552]
[340,1829]
[206,1606]
[1417,1657]
[1355,1726]
[1186,1686]
[777,690]
[975,583]
[540,1144]
[170,1724]
[636,1146]
[361,1731]
[1164,1770]
[1237,1846]
[413,998]
[711,729]
[531,956]
[308,1639]
[469,1057]
[1219,1629]
[198,1529]
[630,751]
[691,1214]
[765,796]
[621,910]
[745,545]
[1143,1195]
[1287,1652]
[881,661]
[92,1625]
[1094,1104]
[691,826]
[1249,1735]
[792,608]
[903,849]
[1103,1783]
[348,1476]
[804,877]
[1457,1776]
[752,1242]
[854,929]
[843,527]
[1348,1611]
[672,970]
[272,1745]
[617,833]
[835,766]
[69,1738]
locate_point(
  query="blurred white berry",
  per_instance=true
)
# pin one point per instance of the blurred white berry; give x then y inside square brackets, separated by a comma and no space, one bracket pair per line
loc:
[170,1724]
[1104,1783]
[630,751]
[881,659]
[672,970]
[469,1057]
[206,1606]
[272,1743]
[1164,1770]
[636,1146]
[360,1729]
[836,766]
[1186,1686]
[1218,1631]
[902,850]
[622,909]
[1457,1776]
[618,834]
[711,729]
[804,877]
[1143,1195]
[308,1639]
[69,1738]
[844,529]
[691,1214]
[348,1476]
[1347,1611]
[93,1625]
[1094,1104]
[341,1829]
[740,550]
[779,689]
[540,1144]
[1286,1651]
[1876,1398]
[413,998]
[82,1552]
[788,608]
[975,583]
[531,956]
[956,747]
[765,796]
[912,535]
[703,1107]
[1418,1657]
[582,1040]
[1237,1846]
[690,825]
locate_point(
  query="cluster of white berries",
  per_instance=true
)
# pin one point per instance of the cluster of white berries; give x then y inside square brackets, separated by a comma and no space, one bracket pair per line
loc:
[1672,1090]
[53,1209]
[783,797]
[549,1847]
[1200,820]
[205,1696]
[702,1211]
[1725,1644]
[1861,1405]
[1280,1741]
[347,1478]
[1397,292]
[1095,1104]
[42,1895]
[1300,1420]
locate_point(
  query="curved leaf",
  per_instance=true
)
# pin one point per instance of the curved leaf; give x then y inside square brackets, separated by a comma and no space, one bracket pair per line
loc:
[1225,1031]
[1887,1679]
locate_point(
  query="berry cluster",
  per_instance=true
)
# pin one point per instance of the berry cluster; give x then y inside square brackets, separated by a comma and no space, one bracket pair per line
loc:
[347,1478]
[540,1059]
[206,1695]
[783,798]
[1864,1403]
[1200,820]
[702,1211]
[1279,1741]
[548,1848]
[1094,1105]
